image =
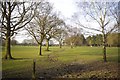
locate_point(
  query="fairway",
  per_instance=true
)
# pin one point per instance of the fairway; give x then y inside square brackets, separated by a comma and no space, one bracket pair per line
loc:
[78,62]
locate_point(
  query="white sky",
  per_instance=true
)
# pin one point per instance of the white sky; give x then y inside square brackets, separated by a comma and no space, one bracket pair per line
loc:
[66,7]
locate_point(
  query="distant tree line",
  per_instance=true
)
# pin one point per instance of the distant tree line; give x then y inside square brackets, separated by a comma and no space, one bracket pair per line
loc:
[113,39]
[77,40]
[96,40]
[13,42]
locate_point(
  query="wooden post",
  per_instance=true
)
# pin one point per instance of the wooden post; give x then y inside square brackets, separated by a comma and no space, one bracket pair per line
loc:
[33,71]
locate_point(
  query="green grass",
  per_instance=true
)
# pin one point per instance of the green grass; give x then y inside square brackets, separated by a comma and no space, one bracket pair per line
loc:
[22,67]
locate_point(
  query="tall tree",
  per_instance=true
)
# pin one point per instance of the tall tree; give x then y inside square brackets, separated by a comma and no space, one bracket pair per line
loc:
[60,36]
[100,12]
[15,15]
[43,23]
[55,31]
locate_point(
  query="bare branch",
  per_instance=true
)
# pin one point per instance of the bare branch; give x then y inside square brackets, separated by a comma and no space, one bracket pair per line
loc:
[88,27]
[31,32]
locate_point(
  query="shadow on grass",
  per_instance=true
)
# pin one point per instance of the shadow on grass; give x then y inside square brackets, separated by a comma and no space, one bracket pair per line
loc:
[47,50]
[16,59]
[21,58]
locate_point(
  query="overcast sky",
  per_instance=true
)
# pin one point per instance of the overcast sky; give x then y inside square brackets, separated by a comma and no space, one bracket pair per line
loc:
[66,7]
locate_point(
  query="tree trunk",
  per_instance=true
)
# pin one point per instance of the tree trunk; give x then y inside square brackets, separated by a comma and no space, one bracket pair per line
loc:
[40,44]
[47,45]
[71,45]
[7,46]
[8,35]
[60,45]
[40,52]
[104,48]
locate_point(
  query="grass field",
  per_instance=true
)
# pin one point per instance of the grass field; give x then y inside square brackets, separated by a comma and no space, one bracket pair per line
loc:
[79,62]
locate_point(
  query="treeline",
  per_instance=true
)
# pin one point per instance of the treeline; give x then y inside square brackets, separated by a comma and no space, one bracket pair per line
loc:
[75,40]
[15,42]
[94,40]
[113,40]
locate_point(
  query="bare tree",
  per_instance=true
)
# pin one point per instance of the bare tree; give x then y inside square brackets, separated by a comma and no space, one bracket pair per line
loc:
[54,31]
[61,34]
[72,32]
[15,15]
[43,23]
[116,12]
[99,12]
